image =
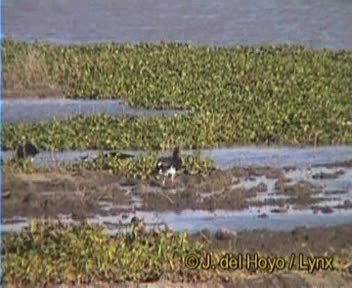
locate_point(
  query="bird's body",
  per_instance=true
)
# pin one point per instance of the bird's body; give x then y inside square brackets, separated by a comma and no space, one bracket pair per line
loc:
[168,166]
[24,151]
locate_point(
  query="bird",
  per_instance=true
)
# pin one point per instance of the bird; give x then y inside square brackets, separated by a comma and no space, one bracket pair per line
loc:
[24,151]
[168,166]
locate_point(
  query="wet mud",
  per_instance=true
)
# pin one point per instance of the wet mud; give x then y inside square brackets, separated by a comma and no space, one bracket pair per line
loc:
[86,193]
[282,280]
[300,193]
[53,193]
[318,240]
[323,175]
[343,164]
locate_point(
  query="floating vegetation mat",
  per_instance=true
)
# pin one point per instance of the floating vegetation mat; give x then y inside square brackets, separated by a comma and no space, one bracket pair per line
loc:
[201,130]
[272,94]
[50,253]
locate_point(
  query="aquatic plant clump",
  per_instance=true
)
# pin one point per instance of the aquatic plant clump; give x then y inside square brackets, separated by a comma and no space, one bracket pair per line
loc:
[196,131]
[60,253]
[239,95]
[139,167]
[49,253]
[142,167]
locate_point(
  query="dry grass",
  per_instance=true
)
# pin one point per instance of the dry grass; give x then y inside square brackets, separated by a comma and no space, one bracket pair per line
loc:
[28,77]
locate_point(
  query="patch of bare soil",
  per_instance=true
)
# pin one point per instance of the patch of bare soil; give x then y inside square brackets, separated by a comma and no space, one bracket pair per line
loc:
[335,240]
[247,172]
[283,280]
[52,193]
[214,191]
[331,241]
[301,192]
[210,192]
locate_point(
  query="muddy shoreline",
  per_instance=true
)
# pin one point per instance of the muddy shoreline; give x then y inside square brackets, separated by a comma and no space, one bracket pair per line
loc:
[284,280]
[264,192]
[58,192]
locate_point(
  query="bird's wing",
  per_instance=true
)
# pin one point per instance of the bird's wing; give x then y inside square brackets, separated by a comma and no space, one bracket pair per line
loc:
[165,160]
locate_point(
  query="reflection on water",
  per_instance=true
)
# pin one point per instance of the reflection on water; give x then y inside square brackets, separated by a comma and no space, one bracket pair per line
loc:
[319,23]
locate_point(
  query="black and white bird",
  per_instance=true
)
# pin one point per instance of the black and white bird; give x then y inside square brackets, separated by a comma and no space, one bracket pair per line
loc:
[168,166]
[24,151]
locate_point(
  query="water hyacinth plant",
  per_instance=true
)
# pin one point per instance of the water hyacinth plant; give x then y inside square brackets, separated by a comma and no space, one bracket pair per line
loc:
[142,167]
[196,131]
[236,95]
[49,253]
[139,167]
[239,95]
[62,253]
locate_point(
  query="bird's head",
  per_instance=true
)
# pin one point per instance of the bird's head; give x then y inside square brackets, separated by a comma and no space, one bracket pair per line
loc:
[159,167]
[176,152]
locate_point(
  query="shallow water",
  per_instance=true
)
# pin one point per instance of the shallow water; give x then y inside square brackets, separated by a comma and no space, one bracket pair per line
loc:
[298,157]
[228,157]
[193,221]
[249,219]
[319,23]
[341,183]
[33,110]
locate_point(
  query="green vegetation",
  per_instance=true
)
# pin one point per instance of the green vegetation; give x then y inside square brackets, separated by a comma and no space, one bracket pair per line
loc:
[49,253]
[237,95]
[58,253]
[106,132]
[275,94]
[139,167]
[201,130]
[142,167]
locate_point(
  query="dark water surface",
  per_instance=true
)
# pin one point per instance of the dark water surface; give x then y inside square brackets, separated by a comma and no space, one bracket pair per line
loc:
[318,23]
